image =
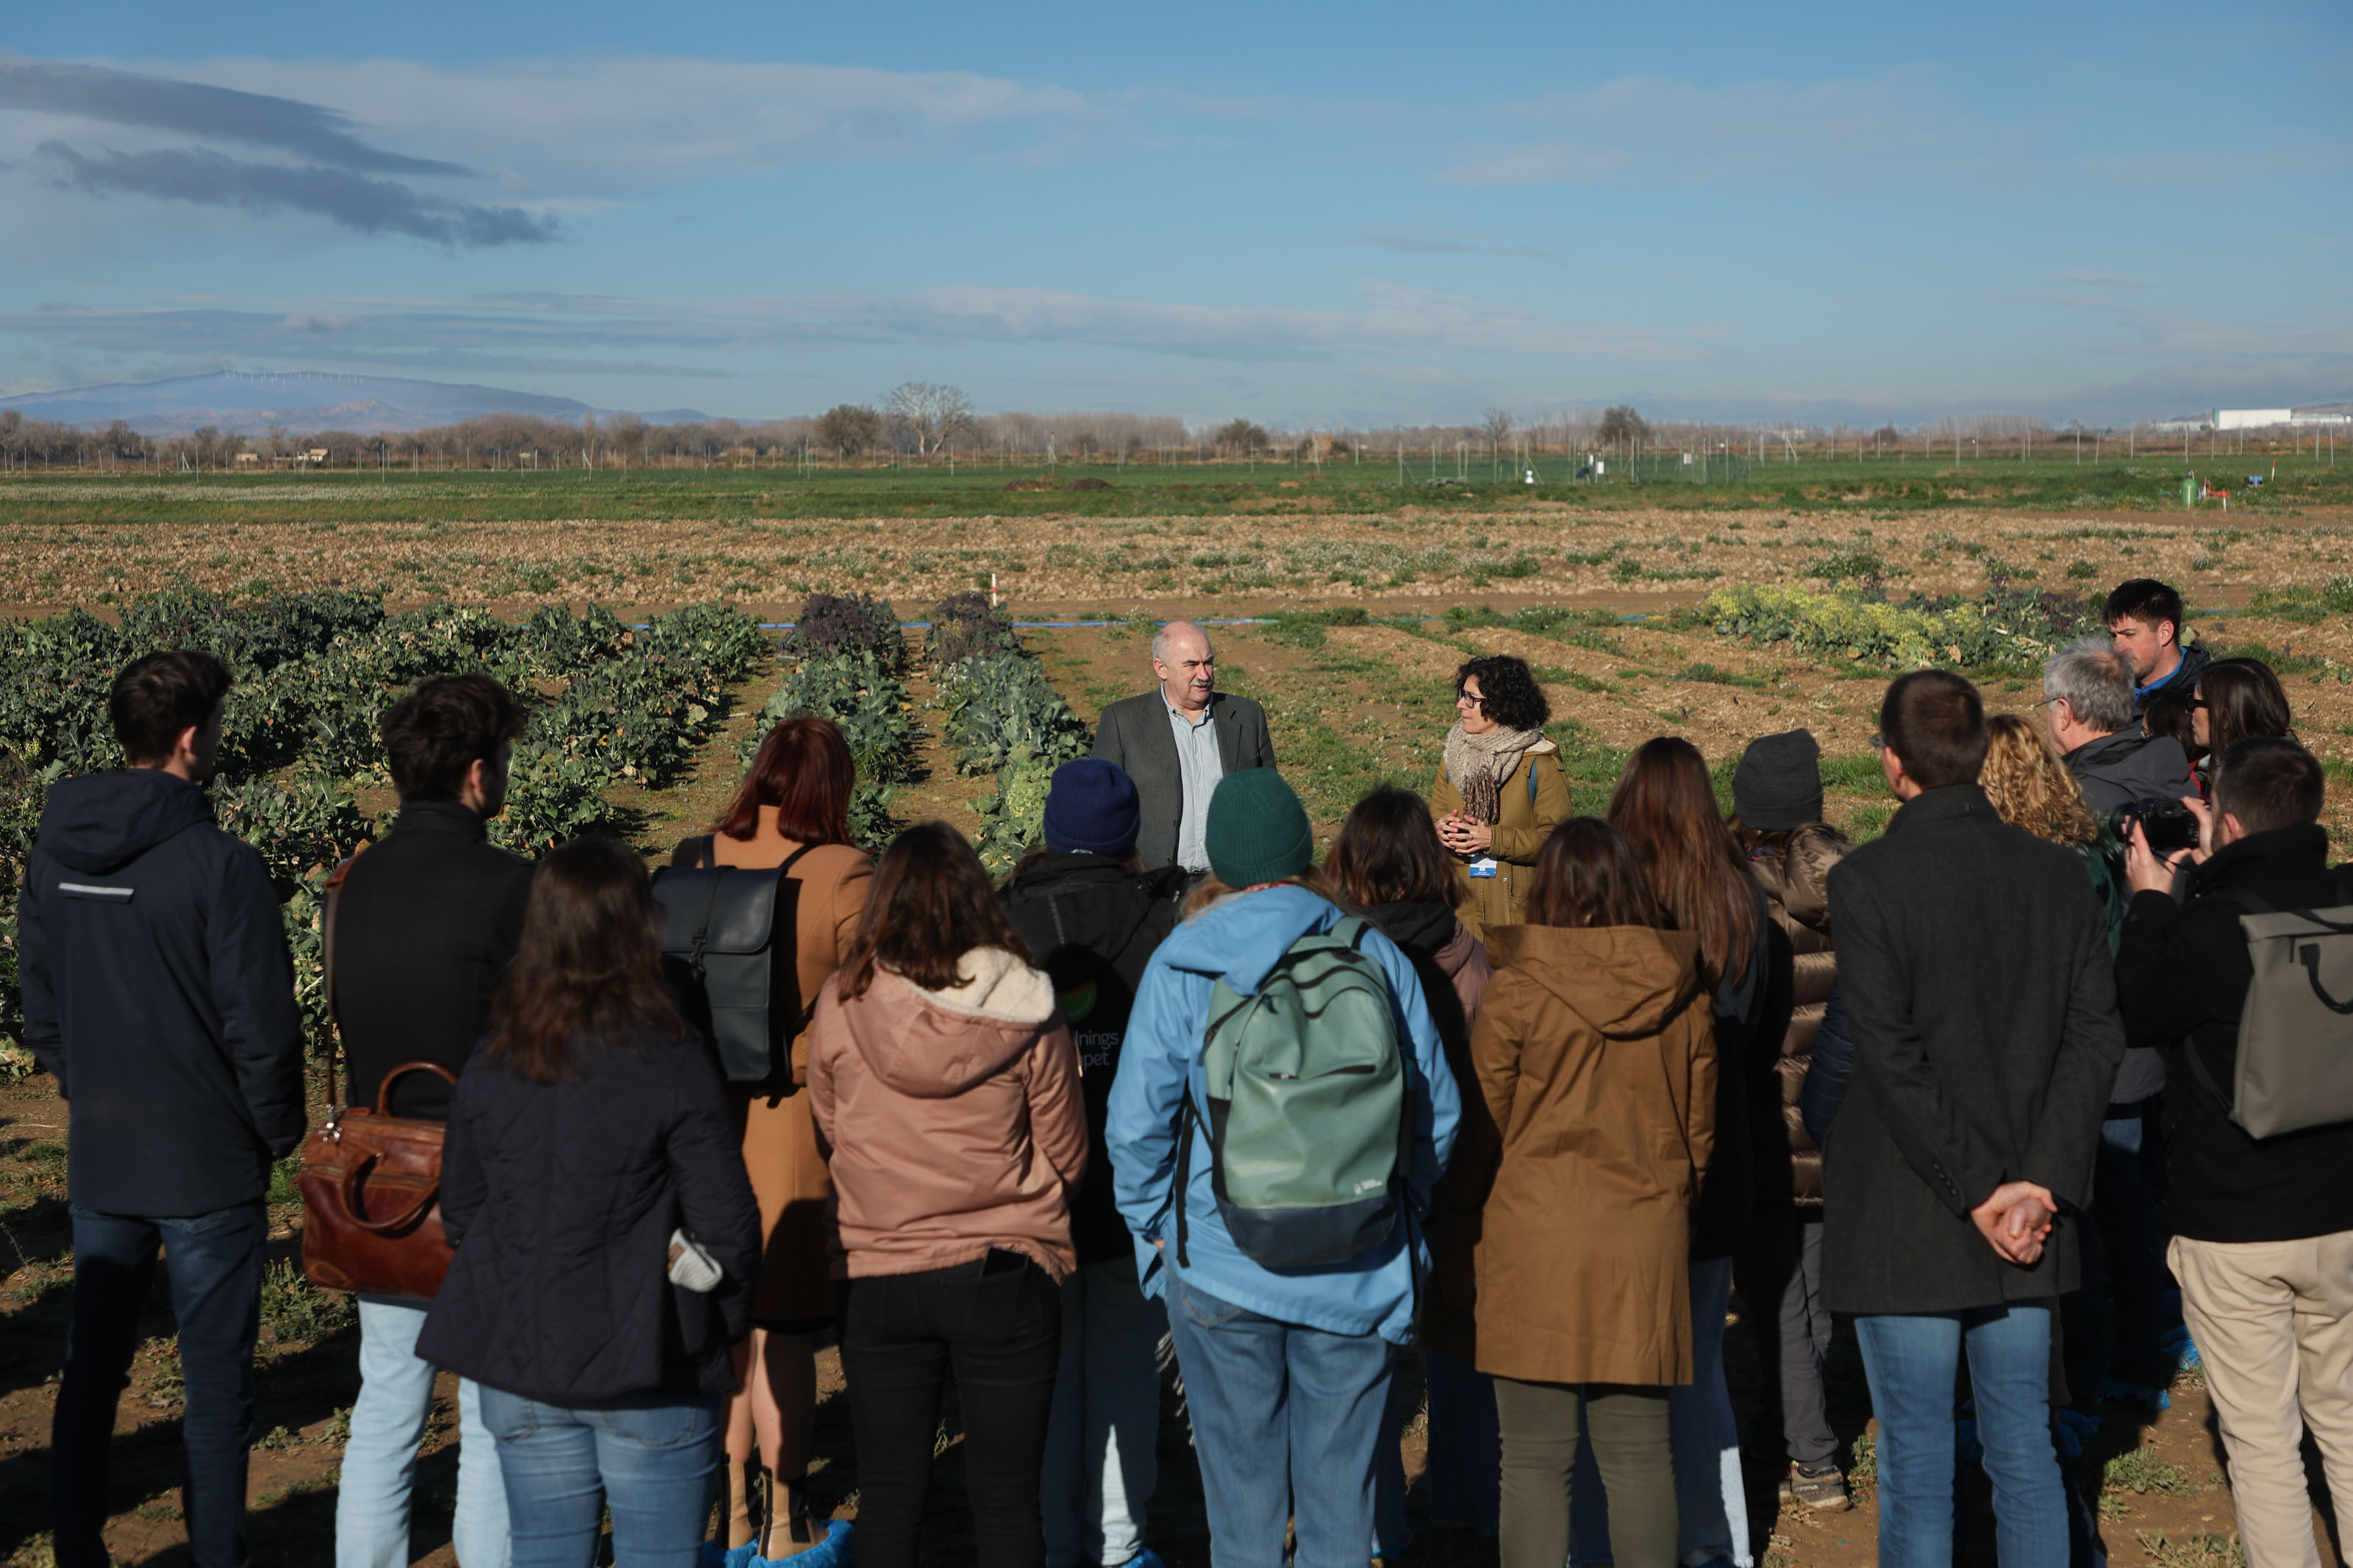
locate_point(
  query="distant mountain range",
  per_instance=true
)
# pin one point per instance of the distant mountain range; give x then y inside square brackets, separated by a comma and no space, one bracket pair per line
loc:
[300,400]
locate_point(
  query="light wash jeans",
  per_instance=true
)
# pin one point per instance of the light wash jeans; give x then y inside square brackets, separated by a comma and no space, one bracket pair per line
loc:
[649,1462]
[372,1506]
[1285,1422]
[1911,1359]
[1708,1495]
[1101,1463]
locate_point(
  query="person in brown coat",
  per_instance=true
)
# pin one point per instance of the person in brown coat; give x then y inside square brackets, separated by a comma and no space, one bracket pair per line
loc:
[1499,789]
[1389,863]
[1777,804]
[1595,1054]
[945,1084]
[791,810]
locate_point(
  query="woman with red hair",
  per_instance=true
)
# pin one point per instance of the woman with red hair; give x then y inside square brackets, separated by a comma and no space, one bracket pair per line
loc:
[791,810]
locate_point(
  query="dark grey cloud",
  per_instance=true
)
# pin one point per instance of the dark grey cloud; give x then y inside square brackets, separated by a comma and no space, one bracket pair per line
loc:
[354,200]
[125,98]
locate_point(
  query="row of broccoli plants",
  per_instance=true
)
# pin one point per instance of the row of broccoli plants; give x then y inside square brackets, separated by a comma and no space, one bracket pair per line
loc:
[1001,716]
[2005,626]
[313,674]
[847,659]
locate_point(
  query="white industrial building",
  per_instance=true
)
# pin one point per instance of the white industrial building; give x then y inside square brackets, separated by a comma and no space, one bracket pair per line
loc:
[2266,418]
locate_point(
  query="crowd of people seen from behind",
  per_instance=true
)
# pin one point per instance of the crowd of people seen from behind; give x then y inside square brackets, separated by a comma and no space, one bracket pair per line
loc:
[2030,1087]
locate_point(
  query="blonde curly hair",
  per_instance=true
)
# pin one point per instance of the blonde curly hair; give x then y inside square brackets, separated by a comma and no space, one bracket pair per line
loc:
[2031,788]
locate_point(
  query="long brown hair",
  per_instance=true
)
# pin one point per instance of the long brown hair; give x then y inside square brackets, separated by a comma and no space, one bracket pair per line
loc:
[1587,874]
[2031,788]
[588,966]
[930,903]
[1666,807]
[804,769]
[2243,699]
[1389,853]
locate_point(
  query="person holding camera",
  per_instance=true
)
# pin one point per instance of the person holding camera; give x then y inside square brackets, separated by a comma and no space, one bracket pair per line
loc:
[2263,1227]
[2087,704]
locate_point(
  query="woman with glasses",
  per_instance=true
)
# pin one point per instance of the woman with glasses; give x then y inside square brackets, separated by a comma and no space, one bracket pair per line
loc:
[1500,790]
[2235,698]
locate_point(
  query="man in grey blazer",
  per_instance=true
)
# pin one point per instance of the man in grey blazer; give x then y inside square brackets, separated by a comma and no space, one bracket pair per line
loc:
[1176,742]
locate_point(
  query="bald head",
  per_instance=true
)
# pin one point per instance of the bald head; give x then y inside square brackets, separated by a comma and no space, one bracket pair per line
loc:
[1186,668]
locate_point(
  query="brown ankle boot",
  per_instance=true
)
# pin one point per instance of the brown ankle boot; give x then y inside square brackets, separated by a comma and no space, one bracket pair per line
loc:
[740,1524]
[789,1531]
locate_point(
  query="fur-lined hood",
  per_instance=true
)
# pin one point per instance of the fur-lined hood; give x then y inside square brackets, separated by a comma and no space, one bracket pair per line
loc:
[935,1044]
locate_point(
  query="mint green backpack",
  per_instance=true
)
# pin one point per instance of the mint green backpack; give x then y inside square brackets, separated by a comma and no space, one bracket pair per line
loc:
[1309,1130]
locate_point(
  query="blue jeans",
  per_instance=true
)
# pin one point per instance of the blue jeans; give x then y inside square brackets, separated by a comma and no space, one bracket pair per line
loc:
[1101,1461]
[2124,1258]
[1711,1503]
[1285,1422]
[216,1277]
[1911,1359]
[652,1464]
[371,1501]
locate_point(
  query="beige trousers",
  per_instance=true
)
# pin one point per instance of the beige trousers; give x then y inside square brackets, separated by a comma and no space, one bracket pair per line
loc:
[2274,1322]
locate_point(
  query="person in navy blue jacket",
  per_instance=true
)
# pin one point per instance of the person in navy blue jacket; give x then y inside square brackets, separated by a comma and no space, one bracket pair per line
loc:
[158,990]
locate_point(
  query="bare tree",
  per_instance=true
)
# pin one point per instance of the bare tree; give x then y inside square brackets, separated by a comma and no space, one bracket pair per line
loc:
[933,415]
[1497,428]
[850,429]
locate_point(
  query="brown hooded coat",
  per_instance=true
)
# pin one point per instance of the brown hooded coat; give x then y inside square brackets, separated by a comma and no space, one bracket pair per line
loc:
[953,1118]
[1595,1051]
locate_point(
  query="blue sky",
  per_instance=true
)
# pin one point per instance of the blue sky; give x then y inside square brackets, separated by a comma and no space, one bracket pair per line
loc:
[1314,216]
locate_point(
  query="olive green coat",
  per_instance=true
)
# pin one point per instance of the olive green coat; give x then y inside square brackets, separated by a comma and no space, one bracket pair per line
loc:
[1503,900]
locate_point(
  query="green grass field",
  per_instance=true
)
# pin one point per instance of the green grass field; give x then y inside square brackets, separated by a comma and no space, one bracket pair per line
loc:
[1373,486]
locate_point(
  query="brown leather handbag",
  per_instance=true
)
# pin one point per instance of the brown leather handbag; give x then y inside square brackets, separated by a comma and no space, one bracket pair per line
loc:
[371,1181]
[371,1187]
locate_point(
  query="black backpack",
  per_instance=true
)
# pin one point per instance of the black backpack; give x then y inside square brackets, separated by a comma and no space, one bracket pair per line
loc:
[730,948]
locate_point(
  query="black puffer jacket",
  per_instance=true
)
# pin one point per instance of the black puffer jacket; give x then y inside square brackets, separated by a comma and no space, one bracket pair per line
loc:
[157,988]
[1803,972]
[1092,924]
[560,1198]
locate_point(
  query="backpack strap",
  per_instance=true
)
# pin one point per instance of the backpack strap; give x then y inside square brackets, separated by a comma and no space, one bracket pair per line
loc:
[808,1011]
[334,902]
[699,853]
[1531,781]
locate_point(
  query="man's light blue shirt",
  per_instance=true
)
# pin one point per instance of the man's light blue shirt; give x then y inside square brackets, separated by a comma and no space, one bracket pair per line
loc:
[1201,768]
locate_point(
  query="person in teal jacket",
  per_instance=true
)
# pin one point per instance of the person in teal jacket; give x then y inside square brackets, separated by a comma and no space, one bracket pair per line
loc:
[1286,1372]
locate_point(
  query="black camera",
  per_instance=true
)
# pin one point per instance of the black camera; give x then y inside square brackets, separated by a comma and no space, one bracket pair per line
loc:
[2169,826]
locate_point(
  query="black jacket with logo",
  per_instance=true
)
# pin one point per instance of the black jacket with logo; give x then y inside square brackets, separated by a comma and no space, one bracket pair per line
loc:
[2182,973]
[159,990]
[423,927]
[1091,925]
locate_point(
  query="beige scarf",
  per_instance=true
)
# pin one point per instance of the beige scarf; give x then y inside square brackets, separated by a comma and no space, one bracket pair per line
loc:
[1478,764]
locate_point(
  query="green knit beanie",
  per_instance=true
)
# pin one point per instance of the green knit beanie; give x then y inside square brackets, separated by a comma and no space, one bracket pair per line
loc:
[1257,830]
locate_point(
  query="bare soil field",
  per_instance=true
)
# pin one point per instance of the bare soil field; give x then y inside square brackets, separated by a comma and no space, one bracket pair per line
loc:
[1636,557]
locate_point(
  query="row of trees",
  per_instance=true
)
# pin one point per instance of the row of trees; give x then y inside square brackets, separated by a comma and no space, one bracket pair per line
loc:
[928,422]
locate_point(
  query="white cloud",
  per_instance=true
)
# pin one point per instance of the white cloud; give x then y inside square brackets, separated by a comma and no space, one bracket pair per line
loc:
[1811,135]
[520,330]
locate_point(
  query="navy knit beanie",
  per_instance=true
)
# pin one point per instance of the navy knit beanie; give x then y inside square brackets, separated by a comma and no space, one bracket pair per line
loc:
[1091,810]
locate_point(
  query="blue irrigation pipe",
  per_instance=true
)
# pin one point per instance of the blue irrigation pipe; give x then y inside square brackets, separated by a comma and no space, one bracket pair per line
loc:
[1060,626]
